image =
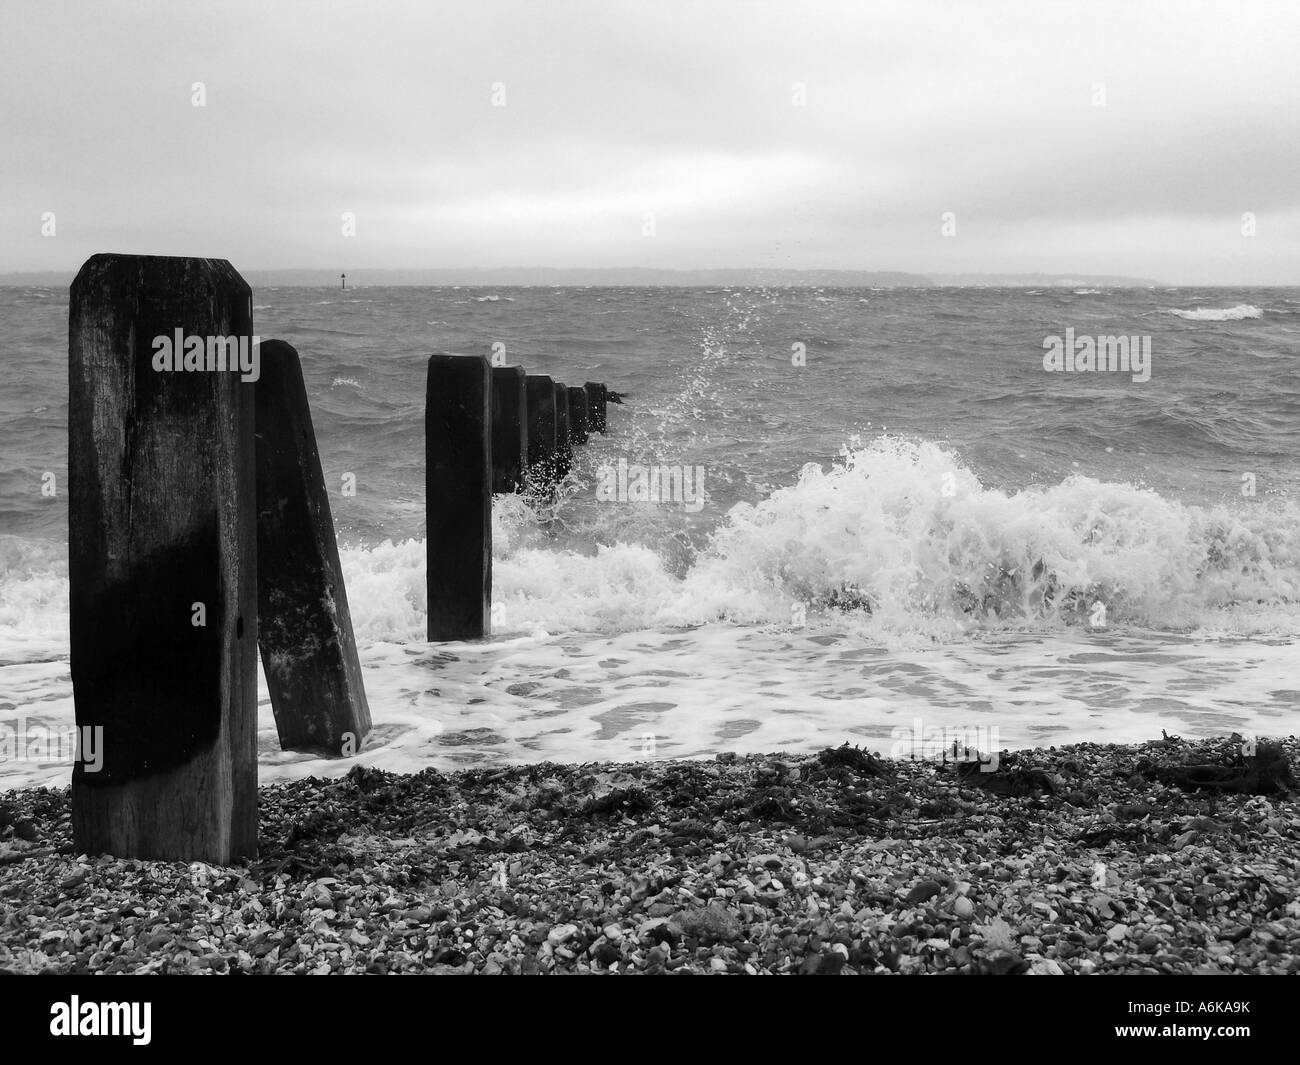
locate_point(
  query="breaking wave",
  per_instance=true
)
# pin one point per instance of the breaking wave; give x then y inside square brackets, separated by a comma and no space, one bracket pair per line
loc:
[1220,314]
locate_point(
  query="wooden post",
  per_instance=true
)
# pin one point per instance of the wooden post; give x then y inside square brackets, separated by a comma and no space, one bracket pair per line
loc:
[540,393]
[163,558]
[304,628]
[509,429]
[578,414]
[563,442]
[458,496]
[596,407]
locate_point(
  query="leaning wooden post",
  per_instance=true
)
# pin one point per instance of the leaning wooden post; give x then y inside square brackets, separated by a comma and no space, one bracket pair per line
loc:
[540,393]
[458,496]
[596,406]
[509,429]
[578,414]
[304,627]
[163,558]
[563,442]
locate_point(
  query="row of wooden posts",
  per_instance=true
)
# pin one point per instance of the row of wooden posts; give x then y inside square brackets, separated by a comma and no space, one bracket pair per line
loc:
[488,429]
[200,533]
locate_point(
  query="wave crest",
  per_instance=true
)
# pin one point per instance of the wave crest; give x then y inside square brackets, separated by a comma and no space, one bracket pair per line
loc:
[895,538]
[1220,314]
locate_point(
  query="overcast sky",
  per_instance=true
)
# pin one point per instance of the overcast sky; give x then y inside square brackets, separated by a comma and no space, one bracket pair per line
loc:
[617,110]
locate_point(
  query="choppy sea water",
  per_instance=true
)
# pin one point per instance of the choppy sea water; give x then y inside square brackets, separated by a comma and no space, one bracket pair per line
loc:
[907,537]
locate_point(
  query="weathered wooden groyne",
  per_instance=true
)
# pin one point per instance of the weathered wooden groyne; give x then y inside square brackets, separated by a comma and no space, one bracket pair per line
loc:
[200,532]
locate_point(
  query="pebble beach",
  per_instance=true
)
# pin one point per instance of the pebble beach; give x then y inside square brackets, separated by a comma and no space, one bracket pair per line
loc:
[1072,860]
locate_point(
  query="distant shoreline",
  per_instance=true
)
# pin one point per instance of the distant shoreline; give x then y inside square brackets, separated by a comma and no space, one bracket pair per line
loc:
[522,277]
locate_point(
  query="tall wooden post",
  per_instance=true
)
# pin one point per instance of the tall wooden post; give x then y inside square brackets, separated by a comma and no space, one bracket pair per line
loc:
[563,442]
[578,414]
[309,654]
[458,496]
[596,406]
[540,393]
[163,558]
[509,429]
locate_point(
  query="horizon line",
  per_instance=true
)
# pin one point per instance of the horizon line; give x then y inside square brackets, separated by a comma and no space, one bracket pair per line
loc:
[11,277]
[970,278]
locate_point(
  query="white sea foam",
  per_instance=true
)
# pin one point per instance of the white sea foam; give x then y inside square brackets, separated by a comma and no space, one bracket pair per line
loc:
[900,538]
[890,586]
[1220,314]
[691,692]
[896,539]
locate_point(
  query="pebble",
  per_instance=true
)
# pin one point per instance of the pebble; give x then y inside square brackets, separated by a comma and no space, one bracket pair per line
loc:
[667,886]
[561,934]
[714,921]
[926,889]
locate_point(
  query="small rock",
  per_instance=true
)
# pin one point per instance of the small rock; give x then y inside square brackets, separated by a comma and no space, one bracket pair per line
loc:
[713,920]
[831,964]
[926,889]
[561,934]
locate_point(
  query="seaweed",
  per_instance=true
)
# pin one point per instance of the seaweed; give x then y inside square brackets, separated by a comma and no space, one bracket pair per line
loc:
[1265,772]
[619,801]
[1005,781]
[863,763]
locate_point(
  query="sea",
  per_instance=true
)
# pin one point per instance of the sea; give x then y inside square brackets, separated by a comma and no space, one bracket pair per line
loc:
[908,533]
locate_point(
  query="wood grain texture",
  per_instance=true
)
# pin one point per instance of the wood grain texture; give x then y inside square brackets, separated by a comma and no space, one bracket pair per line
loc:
[309,652]
[161,517]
